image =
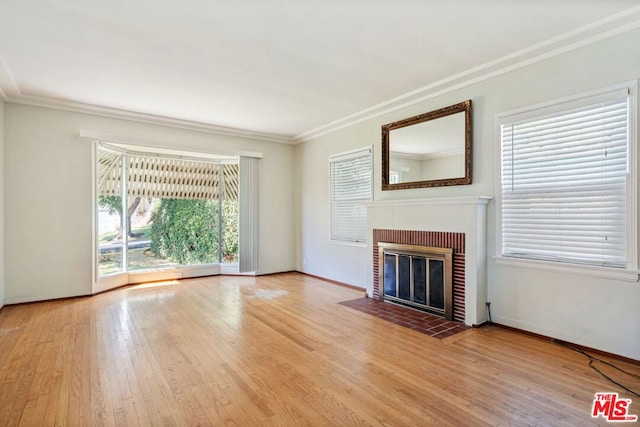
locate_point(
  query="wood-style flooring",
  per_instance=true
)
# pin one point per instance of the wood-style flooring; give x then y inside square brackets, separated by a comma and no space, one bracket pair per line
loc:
[276,350]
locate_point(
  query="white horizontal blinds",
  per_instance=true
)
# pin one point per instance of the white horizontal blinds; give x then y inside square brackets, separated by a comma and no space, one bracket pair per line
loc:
[564,185]
[351,186]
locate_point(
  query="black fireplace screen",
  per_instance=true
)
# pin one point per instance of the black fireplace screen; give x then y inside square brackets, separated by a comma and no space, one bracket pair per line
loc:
[415,280]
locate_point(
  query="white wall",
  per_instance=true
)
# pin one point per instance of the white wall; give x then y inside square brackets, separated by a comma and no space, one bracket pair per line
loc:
[2,168]
[317,254]
[598,313]
[443,167]
[49,196]
[409,170]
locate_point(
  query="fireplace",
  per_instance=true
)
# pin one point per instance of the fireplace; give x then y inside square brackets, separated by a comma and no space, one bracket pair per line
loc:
[434,242]
[458,223]
[417,276]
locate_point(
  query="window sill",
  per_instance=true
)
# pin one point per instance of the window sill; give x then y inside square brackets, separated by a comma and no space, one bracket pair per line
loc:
[578,269]
[118,279]
[348,243]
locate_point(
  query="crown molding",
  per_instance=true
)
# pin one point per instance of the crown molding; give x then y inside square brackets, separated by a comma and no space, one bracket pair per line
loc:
[589,34]
[605,28]
[8,86]
[133,143]
[10,92]
[79,107]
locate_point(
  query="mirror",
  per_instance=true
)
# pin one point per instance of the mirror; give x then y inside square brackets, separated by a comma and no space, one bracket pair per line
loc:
[429,150]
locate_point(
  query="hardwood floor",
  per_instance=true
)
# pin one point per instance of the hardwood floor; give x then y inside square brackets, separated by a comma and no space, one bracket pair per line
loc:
[275,350]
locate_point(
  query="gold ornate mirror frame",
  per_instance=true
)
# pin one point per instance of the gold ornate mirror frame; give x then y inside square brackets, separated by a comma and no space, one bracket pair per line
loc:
[423,139]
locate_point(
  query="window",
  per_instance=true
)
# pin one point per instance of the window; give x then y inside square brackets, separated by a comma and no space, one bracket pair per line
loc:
[567,182]
[351,182]
[160,211]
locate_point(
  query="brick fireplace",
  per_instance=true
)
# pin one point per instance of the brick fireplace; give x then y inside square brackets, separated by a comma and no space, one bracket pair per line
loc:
[458,223]
[454,241]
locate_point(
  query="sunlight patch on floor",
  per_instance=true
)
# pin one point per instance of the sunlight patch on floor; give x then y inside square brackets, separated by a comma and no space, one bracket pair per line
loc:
[153,285]
[268,293]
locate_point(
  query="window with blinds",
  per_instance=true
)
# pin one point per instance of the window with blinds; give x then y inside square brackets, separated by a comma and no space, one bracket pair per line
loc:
[351,185]
[566,183]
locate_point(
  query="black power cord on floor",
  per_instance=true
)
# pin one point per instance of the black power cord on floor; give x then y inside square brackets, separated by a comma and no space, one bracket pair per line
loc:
[595,359]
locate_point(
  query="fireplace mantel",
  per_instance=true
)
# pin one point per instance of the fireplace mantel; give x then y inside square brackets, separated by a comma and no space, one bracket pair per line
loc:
[472,200]
[451,214]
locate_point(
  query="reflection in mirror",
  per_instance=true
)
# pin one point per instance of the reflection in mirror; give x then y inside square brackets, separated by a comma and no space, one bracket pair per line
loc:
[432,149]
[410,159]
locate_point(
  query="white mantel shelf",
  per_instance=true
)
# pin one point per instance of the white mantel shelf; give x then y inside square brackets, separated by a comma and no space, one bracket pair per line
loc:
[472,200]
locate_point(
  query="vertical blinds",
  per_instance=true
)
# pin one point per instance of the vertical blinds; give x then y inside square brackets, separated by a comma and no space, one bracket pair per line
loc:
[351,183]
[564,182]
[249,215]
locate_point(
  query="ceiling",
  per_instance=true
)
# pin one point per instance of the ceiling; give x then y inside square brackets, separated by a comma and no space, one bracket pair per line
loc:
[277,69]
